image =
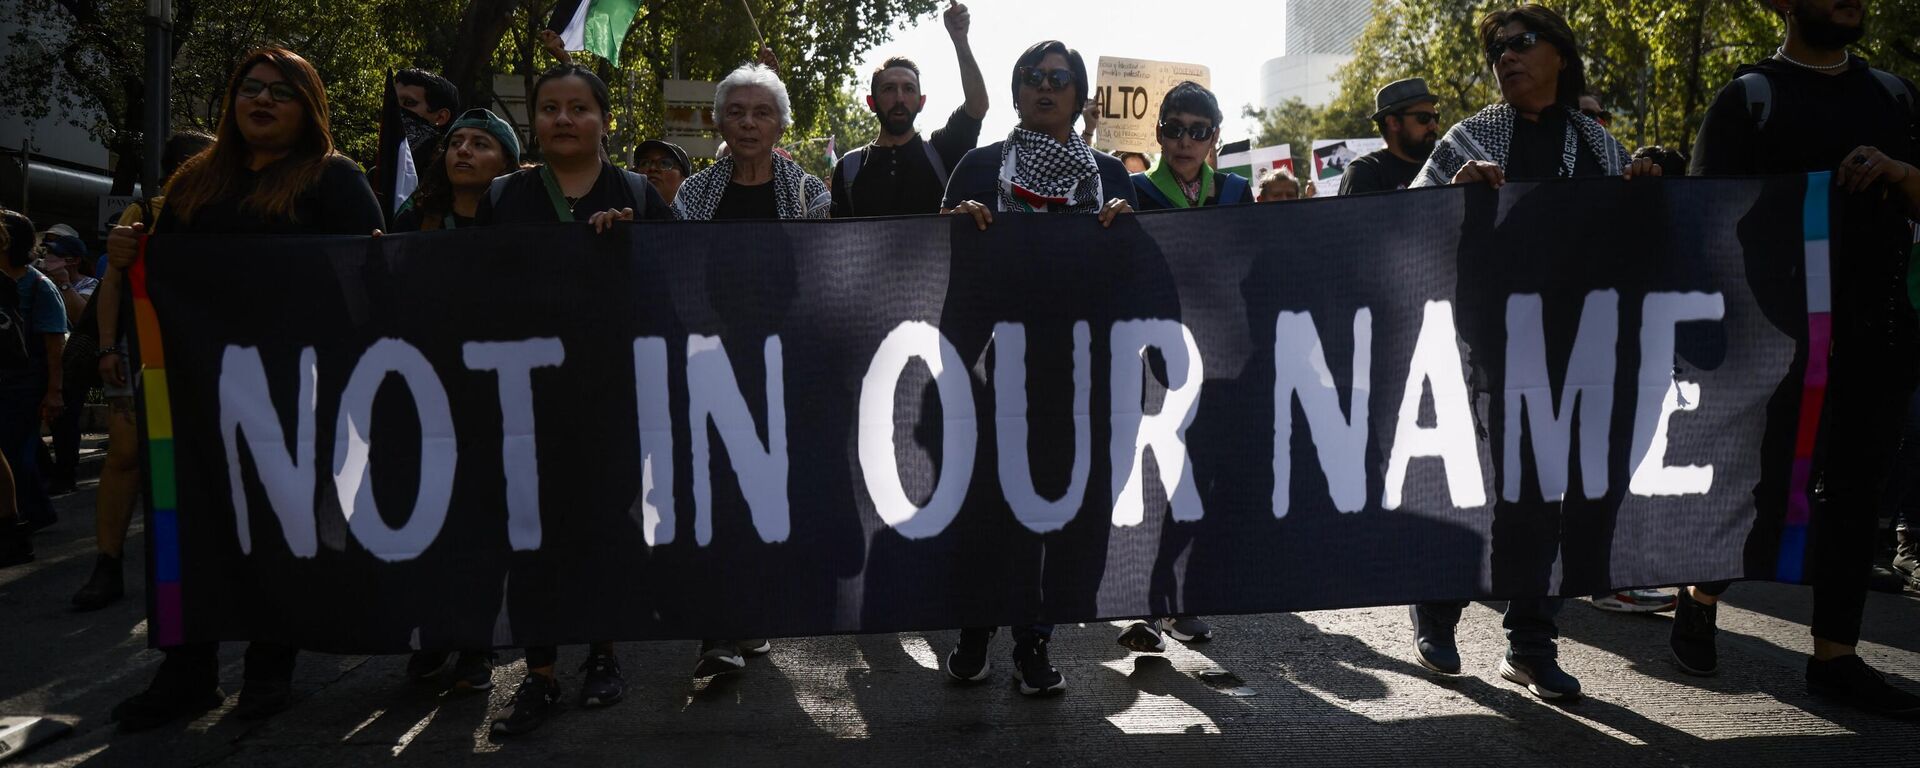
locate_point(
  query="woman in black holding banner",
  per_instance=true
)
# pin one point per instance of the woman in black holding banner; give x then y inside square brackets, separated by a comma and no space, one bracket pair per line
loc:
[272,170]
[571,111]
[1536,131]
[1043,166]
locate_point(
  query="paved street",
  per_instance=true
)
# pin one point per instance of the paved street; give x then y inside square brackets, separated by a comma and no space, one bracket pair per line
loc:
[1335,687]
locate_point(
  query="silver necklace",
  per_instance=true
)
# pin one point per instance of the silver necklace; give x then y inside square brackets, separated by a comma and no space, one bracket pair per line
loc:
[1782,53]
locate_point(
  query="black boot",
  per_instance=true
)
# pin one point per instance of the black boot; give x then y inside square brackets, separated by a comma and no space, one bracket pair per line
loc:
[15,546]
[103,588]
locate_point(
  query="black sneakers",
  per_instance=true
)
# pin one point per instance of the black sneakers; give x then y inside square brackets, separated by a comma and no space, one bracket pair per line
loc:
[603,685]
[1186,629]
[424,666]
[1142,637]
[533,702]
[160,704]
[261,699]
[718,657]
[1692,639]
[1541,675]
[967,662]
[1433,644]
[1850,681]
[472,672]
[1034,671]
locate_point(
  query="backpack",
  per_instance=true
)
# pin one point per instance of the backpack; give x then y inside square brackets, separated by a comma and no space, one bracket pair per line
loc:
[1759,93]
[851,162]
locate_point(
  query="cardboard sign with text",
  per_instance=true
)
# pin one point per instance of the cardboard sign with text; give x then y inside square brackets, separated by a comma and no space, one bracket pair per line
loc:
[1128,93]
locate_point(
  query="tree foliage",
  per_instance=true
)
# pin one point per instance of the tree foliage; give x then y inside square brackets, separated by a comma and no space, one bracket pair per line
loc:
[1655,64]
[85,58]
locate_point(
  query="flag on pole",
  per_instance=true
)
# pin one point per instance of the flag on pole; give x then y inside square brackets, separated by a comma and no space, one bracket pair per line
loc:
[396,175]
[594,25]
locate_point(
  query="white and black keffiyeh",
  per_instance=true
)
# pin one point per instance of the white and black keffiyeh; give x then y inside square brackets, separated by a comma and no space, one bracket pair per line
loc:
[796,194]
[1488,135]
[1040,174]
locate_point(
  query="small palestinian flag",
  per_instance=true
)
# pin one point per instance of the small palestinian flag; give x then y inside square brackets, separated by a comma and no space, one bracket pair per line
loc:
[594,25]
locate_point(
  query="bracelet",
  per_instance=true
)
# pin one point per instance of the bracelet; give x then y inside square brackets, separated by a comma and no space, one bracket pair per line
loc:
[109,350]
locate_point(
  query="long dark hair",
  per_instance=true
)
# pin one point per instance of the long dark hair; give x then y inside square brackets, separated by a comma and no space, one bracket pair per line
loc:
[19,237]
[1552,28]
[212,174]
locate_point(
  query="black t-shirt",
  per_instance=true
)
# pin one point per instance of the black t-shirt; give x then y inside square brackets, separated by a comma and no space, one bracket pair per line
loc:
[899,181]
[524,199]
[1378,171]
[744,202]
[341,203]
[1538,147]
[1814,121]
[411,220]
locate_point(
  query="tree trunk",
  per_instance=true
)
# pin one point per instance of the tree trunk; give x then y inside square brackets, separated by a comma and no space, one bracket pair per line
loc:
[481,27]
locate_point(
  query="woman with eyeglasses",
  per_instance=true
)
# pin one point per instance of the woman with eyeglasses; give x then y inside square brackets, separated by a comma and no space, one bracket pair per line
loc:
[1189,130]
[1535,132]
[478,147]
[754,180]
[1043,166]
[271,170]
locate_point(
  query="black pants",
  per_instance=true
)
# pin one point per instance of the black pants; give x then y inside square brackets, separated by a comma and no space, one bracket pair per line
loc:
[197,666]
[66,437]
[1903,486]
[1862,436]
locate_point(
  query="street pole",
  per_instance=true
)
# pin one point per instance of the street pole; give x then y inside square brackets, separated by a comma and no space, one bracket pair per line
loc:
[155,124]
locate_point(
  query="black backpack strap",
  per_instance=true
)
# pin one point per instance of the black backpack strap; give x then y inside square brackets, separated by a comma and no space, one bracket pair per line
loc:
[497,188]
[1896,88]
[851,163]
[637,187]
[933,157]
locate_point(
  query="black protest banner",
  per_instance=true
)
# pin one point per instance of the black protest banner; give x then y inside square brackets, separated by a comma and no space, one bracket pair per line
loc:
[543,435]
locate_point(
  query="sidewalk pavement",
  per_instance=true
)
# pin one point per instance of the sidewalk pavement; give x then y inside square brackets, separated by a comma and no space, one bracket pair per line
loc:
[1322,688]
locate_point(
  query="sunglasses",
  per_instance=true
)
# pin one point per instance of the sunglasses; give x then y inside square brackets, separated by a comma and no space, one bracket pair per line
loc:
[1520,43]
[282,93]
[1423,118]
[1059,79]
[1598,114]
[1172,130]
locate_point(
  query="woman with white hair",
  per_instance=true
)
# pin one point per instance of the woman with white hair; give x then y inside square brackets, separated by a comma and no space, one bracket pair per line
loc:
[753,181]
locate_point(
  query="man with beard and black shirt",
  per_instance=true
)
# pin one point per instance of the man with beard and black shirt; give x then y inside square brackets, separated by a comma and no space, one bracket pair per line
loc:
[900,173]
[1812,107]
[1409,120]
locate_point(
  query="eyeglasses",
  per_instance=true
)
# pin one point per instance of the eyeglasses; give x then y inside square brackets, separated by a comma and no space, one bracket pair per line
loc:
[283,93]
[1423,118]
[1520,43]
[1598,114]
[1059,79]
[656,164]
[1172,130]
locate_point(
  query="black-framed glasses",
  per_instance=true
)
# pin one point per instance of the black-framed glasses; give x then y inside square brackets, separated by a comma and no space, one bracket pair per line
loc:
[655,164]
[1423,118]
[1172,130]
[1520,43]
[1598,114]
[279,89]
[1059,78]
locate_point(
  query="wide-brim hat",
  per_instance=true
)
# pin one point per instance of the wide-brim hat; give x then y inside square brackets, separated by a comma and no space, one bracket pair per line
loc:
[1399,95]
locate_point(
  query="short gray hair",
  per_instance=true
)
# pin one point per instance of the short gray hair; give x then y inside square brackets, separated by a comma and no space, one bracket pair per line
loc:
[754,74]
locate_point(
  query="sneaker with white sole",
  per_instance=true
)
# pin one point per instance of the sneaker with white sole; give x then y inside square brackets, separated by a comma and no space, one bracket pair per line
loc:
[1186,629]
[1035,671]
[718,657]
[1541,675]
[967,662]
[756,647]
[1142,637]
[1635,601]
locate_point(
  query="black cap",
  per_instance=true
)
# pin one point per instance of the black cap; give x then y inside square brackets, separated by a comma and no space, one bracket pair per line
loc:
[673,150]
[1399,95]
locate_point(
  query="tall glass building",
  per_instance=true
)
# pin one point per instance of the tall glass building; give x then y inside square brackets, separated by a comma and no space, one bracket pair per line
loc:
[1317,39]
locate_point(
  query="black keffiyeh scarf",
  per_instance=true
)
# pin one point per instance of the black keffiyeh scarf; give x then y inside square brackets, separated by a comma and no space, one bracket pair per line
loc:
[796,194]
[1040,174]
[1488,136]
